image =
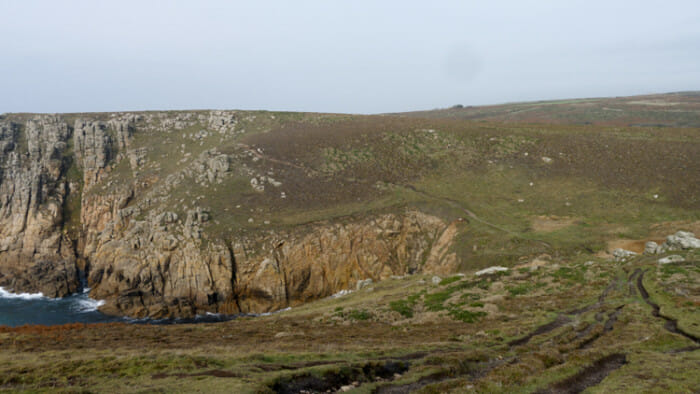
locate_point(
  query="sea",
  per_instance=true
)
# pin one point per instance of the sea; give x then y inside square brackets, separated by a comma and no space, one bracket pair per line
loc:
[25,308]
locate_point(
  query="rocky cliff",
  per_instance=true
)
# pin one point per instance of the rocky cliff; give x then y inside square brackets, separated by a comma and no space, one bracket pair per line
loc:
[35,253]
[168,214]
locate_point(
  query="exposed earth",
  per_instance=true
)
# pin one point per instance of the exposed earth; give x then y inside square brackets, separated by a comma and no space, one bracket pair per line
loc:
[376,231]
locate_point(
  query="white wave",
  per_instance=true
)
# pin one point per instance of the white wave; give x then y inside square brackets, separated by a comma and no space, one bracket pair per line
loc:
[87,304]
[24,296]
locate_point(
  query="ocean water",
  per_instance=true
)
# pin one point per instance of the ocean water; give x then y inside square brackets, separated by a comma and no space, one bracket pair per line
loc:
[25,308]
[20,309]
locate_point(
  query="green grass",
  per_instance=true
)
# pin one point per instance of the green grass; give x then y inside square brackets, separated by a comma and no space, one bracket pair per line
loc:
[466,316]
[450,280]
[435,301]
[403,307]
[520,290]
[571,274]
[354,314]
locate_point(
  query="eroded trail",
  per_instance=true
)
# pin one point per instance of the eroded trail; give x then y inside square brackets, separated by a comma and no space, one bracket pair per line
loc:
[670,324]
[589,376]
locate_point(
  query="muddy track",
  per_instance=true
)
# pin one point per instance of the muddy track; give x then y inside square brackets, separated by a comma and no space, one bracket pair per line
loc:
[411,387]
[684,349]
[601,300]
[631,282]
[563,319]
[217,373]
[588,377]
[670,325]
[543,329]
[607,327]
[475,371]
[333,380]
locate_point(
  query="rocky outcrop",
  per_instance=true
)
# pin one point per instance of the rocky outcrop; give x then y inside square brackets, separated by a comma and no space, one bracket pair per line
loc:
[622,254]
[442,260]
[491,270]
[681,240]
[96,143]
[92,148]
[222,121]
[651,247]
[160,266]
[287,269]
[35,254]
[674,258]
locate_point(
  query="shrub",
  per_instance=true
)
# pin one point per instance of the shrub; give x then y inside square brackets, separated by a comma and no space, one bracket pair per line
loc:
[434,302]
[403,307]
[359,314]
[466,316]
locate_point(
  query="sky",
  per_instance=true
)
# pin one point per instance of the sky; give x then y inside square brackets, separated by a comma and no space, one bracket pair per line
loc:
[339,56]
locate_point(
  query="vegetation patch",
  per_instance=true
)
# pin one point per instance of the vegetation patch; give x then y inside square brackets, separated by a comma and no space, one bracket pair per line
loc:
[465,315]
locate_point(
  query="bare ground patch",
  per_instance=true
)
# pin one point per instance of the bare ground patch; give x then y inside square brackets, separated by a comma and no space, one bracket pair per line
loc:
[551,223]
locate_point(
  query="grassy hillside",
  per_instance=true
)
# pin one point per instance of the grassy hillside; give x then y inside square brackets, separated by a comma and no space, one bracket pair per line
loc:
[603,182]
[658,110]
[547,189]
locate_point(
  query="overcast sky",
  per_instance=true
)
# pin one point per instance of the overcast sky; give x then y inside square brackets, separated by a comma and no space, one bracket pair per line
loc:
[339,56]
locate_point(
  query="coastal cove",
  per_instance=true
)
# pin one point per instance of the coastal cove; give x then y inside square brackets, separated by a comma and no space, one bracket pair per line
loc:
[36,309]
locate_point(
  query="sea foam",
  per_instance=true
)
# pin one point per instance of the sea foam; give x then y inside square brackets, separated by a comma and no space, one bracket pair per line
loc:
[25,296]
[86,304]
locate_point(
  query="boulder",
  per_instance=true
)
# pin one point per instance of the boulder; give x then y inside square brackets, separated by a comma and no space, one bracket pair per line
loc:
[361,284]
[622,254]
[682,240]
[651,247]
[674,258]
[491,270]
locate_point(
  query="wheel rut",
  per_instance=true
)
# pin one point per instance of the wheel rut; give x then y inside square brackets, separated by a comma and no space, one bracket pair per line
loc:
[589,376]
[670,324]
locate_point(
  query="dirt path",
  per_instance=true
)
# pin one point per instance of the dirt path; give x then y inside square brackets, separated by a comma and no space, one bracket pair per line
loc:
[543,329]
[470,214]
[455,204]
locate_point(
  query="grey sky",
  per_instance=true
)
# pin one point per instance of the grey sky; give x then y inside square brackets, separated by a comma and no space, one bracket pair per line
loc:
[338,56]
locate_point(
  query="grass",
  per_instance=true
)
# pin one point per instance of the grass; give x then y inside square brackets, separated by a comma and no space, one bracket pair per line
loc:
[450,280]
[520,290]
[571,274]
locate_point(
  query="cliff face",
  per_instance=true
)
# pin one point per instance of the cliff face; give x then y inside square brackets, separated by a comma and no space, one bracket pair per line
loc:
[114,194]
[35,254]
